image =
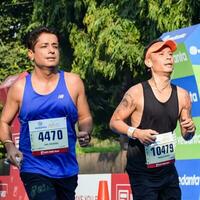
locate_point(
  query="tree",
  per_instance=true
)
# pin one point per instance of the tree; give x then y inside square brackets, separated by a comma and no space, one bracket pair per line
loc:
[102,40]
[108,50]
[14,20]
[107,54]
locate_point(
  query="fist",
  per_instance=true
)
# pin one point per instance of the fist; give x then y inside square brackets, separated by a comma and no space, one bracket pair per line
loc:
[83,138]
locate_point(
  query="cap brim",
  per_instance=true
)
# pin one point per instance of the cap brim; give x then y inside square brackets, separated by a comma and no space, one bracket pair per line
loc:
[157,46]
[171,44]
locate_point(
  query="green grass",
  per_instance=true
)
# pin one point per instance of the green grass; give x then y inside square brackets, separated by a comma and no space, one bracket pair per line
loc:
[100,146]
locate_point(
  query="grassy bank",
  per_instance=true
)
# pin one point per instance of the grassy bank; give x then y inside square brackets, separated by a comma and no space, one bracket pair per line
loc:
[101,146]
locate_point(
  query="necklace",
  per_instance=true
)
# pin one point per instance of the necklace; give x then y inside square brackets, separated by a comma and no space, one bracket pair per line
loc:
[163,88]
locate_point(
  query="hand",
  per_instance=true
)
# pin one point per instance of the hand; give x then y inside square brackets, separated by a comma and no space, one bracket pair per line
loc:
[190,128]
[146,136]
[14,156]
[188,124]
[83,138]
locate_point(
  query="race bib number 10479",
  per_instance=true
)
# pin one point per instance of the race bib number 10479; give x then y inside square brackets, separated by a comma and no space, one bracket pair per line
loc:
[161,152]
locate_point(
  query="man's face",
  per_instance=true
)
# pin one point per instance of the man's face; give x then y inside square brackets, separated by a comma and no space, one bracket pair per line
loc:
[162,60]
[46,51]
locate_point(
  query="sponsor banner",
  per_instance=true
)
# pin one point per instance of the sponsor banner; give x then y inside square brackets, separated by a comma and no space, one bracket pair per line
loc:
[16,187]
[189,83]
[11,186]
[186,74]
[121,189]
[88,186]
[118,184]
[193,46]
[188,149]
[180,35]
[196,70]
[15,138]
[182,63]
[189,178]
[3,190]
[15,125]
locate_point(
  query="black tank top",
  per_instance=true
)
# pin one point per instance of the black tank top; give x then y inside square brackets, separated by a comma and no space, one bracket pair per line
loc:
[158,116]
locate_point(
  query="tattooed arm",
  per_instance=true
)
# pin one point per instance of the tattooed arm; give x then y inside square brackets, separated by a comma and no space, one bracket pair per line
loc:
[122,113]
[132,106]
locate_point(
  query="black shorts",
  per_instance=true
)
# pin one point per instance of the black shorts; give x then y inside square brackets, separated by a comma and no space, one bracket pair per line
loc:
[39,187]
[149,188]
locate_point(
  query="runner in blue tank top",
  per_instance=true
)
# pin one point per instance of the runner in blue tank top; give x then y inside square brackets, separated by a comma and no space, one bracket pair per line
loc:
[49,102]
[154,107]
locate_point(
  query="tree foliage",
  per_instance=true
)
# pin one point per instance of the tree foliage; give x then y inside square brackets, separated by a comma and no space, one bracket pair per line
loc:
[14,20]
[111,44]
[108,44]
[102,40]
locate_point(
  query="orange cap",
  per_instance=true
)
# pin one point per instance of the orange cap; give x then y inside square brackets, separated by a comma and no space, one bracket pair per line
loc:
[156,46]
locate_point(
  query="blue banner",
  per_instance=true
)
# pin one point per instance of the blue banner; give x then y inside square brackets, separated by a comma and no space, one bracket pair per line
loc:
[189,178]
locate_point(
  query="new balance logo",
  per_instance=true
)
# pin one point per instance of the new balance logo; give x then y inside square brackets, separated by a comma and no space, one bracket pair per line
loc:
[61,96]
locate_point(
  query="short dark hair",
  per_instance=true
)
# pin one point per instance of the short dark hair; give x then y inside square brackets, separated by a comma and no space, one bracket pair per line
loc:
[34,34]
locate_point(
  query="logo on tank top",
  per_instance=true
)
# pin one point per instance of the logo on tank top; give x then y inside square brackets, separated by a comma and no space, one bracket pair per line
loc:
[61,96]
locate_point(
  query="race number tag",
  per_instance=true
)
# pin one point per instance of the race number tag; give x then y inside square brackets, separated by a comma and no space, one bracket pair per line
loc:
[48,136]
[161,152]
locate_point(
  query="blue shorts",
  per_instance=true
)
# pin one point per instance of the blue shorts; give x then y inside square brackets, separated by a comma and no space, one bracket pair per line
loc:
[149,188]
[39,187]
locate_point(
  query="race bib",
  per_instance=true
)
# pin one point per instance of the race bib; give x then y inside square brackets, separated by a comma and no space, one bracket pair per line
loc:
[161,152]
[48,136]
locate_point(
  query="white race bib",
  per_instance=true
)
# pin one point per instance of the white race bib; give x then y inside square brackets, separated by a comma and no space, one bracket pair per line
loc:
[161,152]
[48,136]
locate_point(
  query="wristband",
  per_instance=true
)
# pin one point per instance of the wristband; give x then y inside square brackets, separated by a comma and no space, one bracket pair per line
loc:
[130,132]
[7,141]
[189,136]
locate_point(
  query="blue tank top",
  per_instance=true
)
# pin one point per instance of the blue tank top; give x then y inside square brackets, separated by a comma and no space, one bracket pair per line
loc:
[54,105]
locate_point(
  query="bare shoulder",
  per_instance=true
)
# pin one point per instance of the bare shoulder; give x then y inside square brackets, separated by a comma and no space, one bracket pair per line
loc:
[132,97]
[15,92]
[74,84]
[182,93]
[17,88]
[72,78]
[135,91]
[19,84]
[183,96]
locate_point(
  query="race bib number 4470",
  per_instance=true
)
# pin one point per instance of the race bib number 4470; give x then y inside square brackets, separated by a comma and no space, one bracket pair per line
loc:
[161,152]
[48,136]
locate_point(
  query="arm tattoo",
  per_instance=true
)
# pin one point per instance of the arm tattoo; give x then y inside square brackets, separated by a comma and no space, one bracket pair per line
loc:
[124,102]
[127,101]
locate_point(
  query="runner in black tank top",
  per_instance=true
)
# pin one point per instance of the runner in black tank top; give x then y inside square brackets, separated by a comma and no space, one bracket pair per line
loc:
[154,107]
[158,116]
